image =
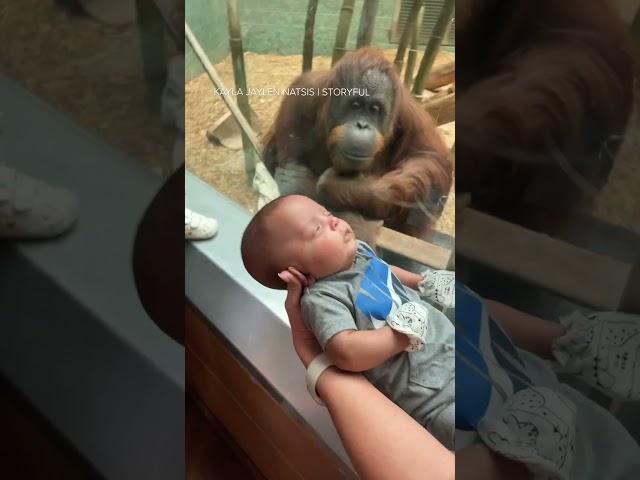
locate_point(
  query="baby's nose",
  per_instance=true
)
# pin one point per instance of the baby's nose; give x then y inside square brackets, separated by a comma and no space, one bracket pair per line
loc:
[334,222]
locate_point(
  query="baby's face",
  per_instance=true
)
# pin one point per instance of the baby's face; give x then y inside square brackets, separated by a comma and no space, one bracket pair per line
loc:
[317,243]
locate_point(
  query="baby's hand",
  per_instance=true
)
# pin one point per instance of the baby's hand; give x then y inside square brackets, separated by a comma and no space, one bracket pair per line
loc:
[304,342]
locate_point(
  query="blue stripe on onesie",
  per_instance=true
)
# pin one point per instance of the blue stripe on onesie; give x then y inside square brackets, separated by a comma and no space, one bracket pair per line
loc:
[488,357]
[473,392]
[374,298]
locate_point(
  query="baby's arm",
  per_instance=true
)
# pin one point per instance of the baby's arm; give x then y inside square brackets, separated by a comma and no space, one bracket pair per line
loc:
[361,350]
[436,285]
[528,332]
[407,278]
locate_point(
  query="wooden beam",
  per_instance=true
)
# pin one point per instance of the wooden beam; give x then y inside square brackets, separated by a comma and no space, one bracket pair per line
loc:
[441,75]
[413,248]
[442,107]
[554,265]
[226,97]
[210,451]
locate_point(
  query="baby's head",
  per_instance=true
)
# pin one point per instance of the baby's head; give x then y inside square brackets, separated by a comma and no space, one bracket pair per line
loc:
[295,231]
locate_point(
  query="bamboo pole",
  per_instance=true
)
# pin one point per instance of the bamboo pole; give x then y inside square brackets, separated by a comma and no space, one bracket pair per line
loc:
[413,51]
[342,33]
[367,22]
[154,50]
[442,106]
[406,34]
[219,84]
[635,27]
[240,79]
[433,46]
[307,46]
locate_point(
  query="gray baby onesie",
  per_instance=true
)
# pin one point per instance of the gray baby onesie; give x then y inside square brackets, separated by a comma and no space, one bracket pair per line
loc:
[422,383]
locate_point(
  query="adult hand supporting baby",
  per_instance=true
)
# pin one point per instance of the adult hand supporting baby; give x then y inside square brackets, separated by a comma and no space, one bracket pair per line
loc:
[304,342]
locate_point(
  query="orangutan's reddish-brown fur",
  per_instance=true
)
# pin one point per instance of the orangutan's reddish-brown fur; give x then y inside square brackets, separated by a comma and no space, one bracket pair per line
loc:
[541,85]
[412,163]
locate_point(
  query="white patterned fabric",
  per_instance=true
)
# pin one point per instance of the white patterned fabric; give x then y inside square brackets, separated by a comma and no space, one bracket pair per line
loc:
[411,319]
[31,209]
[537,427]
[490,370]
[439,286]
[603,349]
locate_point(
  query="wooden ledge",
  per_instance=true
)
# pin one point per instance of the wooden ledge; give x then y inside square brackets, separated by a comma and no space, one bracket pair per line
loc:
[277,441]
[413,248]
[578,274]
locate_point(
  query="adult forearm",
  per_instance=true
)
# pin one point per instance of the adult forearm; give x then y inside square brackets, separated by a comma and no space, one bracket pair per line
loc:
[382,440]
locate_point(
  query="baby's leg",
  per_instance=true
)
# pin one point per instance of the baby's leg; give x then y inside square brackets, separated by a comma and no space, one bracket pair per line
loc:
[478,462]
[528,332]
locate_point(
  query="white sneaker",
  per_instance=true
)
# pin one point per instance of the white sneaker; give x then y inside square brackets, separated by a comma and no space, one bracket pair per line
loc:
[603,349]
[198,227]
[31,209]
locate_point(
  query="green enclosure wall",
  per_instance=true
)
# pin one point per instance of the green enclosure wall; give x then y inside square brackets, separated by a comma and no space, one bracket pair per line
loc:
[208,21]
[276,27]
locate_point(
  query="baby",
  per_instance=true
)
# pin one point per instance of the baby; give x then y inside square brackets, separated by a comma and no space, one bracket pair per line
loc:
[509,399]
[360,309]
